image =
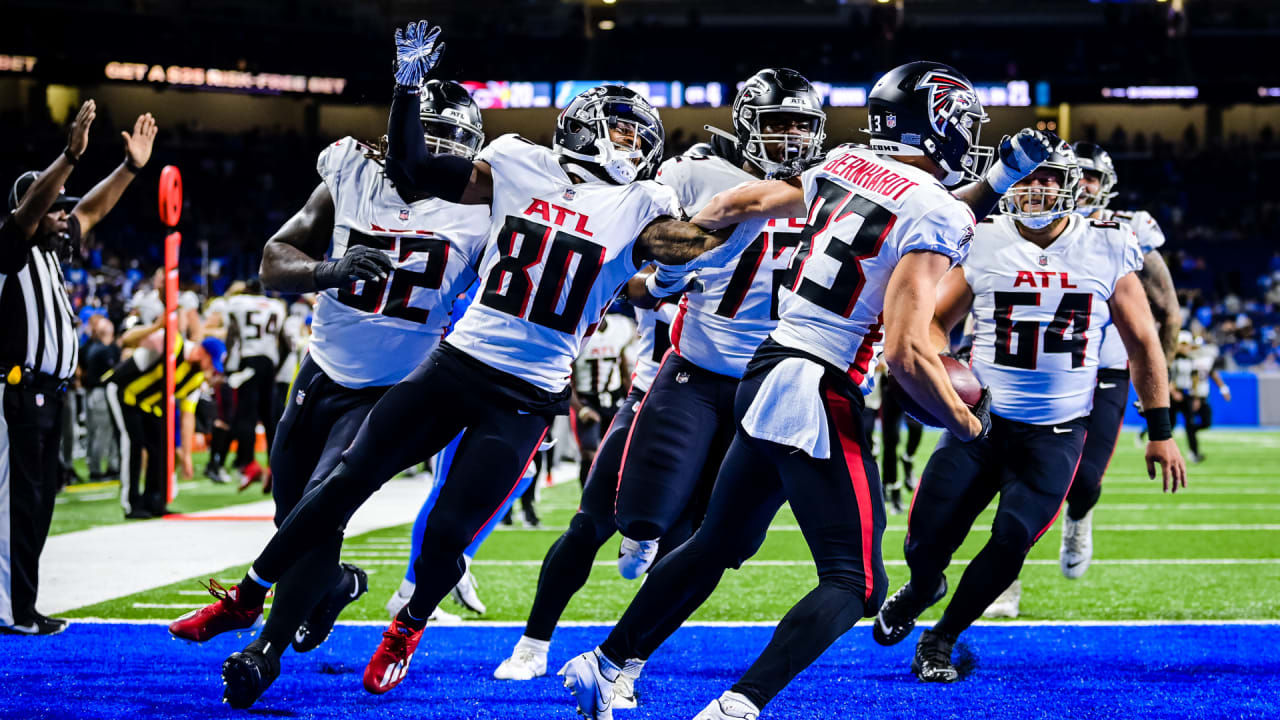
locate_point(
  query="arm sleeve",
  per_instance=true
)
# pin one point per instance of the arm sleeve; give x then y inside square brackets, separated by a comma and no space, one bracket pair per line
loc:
[946,230]
[413,168]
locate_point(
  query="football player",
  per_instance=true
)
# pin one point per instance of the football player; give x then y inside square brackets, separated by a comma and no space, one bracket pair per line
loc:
[260,321]
[384,299]
[883,230]
[569,227]
[598,382]
[1043,282]
[1097,188]
[684,426]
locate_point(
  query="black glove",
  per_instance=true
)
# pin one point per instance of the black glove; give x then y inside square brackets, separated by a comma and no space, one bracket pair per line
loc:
[359,263]
[982,411]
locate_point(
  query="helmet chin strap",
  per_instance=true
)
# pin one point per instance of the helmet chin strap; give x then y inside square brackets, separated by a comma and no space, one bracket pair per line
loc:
[616,163]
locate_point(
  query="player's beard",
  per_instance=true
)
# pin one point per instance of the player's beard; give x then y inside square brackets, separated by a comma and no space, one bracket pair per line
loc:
[56,242]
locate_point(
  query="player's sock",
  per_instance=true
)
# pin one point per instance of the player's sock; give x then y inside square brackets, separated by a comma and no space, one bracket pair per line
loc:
[407,617]
[990,572]
[253,589]
[565,570]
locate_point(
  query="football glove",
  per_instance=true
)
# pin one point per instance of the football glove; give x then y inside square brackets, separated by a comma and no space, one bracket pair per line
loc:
[982,411]
[416,52]
[1019,155]
[359,263]
[664,283]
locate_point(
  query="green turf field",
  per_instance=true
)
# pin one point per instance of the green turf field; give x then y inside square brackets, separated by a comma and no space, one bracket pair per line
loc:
[1210,553]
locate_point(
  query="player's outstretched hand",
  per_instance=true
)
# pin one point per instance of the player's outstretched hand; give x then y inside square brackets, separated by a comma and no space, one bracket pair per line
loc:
[416,52]
[1019,155]
[137,147]
[1165,453]
[664,283]
[359,263]
[78,138]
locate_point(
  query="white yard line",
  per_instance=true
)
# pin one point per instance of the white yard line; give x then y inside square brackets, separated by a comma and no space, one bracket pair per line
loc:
[889,563]
[89,566]
[609,622]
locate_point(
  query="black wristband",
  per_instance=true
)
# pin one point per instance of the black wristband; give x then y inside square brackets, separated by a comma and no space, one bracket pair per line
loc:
[325,275]
[1159,425]
[128,165]
[70,156]
[405,89]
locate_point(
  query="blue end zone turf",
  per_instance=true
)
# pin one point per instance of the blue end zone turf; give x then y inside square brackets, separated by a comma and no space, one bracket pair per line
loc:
[1017,672]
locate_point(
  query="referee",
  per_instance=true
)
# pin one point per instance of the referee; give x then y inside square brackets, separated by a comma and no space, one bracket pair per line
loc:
[38,348]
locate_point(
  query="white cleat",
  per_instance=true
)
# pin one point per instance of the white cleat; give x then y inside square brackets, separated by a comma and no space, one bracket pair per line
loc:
[1077,546]
[464,593]
[590,677]
[729,706]
[635,557]
[399,598]
[443,617]
[624,693]
[1006,606]
[524,664]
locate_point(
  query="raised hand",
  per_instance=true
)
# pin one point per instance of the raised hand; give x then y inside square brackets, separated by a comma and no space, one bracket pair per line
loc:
[416,52]
[1019,155]
[78,138]
[137,147]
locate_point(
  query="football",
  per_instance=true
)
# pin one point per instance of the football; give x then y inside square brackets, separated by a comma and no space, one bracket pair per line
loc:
[962,379]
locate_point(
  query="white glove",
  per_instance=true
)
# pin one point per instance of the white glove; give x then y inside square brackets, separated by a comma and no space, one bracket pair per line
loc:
[1018,156]
[664,283]
[416,52]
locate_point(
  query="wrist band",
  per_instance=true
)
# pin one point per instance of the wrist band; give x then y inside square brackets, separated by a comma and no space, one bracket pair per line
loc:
[128,165]
[1159,426]
[406,89]
[71,157]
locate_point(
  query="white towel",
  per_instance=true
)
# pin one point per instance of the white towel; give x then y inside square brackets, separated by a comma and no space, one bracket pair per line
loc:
[788,408]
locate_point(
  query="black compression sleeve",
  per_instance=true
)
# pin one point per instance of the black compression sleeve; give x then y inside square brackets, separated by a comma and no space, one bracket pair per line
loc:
[414,169]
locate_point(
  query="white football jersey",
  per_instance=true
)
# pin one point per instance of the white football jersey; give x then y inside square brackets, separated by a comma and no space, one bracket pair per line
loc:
[721,326]
[1112,354]
[866,212]
[598,368]
[1205,359]
[653,328]
[368,334]
[260,320]
[1039,314]
[559,254]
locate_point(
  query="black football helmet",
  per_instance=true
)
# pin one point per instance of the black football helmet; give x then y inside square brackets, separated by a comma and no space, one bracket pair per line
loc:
[774,92]
[583,141]
[1093,159]
[450,118]
[930,109]
[1048,204]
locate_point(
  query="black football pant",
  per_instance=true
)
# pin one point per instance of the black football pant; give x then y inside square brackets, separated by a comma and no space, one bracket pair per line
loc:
[30,435]
[1110,396]
[891,418]
[255,402]
[589,435]
[1030,466]
[140,431]
[448,393]
[319,421]
[836,502]
[678,440]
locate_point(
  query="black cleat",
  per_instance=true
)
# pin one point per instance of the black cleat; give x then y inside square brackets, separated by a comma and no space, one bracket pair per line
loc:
[246,675]
[932,662]
[897,617]
[315,630]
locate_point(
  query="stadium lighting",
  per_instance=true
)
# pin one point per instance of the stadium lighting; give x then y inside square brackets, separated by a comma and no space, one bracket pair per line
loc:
[606,25]
[609,2]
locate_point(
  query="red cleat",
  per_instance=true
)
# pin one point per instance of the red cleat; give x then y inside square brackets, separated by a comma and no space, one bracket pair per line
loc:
[225,615]
[249,475]
[390,662]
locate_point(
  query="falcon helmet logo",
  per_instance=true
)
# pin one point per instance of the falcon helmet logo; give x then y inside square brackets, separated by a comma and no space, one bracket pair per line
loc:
[947,93]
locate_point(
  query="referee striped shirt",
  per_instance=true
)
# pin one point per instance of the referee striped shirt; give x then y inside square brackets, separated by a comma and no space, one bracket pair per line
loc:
[35,311]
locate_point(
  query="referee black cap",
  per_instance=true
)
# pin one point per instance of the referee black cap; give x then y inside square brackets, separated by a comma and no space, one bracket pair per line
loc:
[24,183]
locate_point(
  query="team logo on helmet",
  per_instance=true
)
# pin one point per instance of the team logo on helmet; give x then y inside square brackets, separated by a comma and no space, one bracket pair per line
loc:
[946,93]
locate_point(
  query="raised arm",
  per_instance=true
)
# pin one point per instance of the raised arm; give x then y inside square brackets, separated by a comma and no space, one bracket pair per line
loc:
[1132,317]
[753,200]
[293,259]
[1016,156]
[137,152]
[44,191]
[909,308]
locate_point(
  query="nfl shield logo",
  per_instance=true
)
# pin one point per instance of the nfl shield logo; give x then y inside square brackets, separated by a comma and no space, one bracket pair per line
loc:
[569,193]
[302,396]
[682,377]
[404,214]
[891,120]
[1044,260]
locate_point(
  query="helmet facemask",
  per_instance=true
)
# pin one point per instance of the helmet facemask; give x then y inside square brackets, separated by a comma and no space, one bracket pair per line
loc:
[451,135]
[793,148]
[1087,202]
[976,159]
[637,147]
[1047,203]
